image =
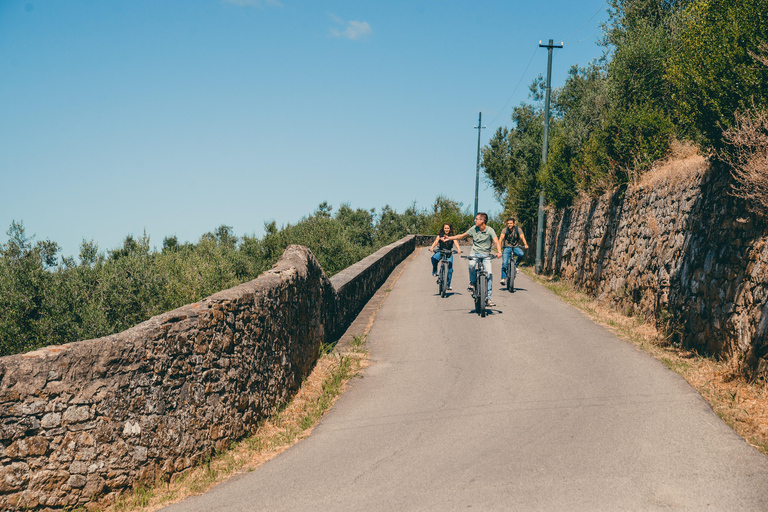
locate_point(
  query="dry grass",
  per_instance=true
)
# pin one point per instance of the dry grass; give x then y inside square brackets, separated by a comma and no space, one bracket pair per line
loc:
[741,404]
[683,162]
[317,395]
[747,153]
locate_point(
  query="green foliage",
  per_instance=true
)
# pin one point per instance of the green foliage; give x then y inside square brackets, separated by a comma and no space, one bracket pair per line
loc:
[47,300]
[512,159]
[609,122]
[595,169]
[557,176]
[447,210]
[712,73]
[641,135]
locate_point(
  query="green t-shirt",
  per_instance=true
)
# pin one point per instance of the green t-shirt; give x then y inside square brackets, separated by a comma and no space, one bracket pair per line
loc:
[481,240]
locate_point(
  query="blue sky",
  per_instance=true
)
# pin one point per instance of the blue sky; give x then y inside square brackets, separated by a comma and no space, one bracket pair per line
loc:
[174,117]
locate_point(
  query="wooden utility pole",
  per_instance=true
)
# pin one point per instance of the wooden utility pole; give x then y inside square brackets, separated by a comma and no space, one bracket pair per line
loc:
[540,227]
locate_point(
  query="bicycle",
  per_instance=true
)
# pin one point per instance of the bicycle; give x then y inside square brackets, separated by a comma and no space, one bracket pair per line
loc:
[442,275]
[511,272]
[480,293]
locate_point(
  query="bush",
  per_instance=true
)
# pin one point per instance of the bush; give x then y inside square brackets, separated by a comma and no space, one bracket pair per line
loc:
[746,150]
[44,301]
[713,71]
[557,177]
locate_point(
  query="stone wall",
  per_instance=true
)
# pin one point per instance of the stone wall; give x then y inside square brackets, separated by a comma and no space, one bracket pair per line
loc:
[678,247]
[82,422]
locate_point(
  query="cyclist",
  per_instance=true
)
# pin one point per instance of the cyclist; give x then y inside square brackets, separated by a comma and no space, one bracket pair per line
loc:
[483,236]
[512,239]
[446,230]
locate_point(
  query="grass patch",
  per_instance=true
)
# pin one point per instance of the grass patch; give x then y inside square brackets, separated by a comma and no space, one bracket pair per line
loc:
[274,435]
[742,404]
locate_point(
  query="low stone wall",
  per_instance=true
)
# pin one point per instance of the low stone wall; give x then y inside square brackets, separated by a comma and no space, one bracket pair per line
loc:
[80,423]
[678,247]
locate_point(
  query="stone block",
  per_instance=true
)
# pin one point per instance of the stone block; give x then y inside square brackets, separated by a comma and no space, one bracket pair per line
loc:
[14,477]
[48,481]
[76,414]
[27,447]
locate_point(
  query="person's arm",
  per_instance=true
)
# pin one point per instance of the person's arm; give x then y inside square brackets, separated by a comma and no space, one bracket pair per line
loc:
[522,237]
[498,247]
[457,246]
[456,237]
[437,239]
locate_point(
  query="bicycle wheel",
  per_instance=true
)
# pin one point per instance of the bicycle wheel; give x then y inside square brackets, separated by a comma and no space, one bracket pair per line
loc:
[443,279]
[482,294]
[511,273]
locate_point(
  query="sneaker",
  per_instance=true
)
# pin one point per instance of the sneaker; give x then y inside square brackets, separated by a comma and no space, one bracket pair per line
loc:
[490,303]
[471,288]
[503,282]
[434,274]
[450,289]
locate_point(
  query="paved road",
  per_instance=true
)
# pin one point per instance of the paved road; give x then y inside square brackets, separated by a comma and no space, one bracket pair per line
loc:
[531,408]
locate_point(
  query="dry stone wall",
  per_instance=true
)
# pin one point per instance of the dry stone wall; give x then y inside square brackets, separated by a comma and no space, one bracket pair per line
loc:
[678,247]
[82,422]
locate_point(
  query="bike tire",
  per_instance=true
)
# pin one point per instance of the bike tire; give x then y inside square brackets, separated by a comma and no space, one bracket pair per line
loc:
[482,294]
[443,280]
[511,273]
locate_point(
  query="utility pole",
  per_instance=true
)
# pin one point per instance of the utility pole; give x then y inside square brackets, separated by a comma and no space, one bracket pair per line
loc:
[479,128]
[540,227]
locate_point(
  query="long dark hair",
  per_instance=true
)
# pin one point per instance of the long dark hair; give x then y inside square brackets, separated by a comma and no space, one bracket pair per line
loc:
[441,232]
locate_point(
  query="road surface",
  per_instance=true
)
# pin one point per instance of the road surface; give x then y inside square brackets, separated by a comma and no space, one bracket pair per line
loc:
[534,407]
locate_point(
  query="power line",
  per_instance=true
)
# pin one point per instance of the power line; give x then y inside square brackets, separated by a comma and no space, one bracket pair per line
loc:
[522,77]
[585,24]
[516,87]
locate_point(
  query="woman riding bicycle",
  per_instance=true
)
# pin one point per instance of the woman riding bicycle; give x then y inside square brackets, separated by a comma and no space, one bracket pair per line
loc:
[512,240]
[446,230]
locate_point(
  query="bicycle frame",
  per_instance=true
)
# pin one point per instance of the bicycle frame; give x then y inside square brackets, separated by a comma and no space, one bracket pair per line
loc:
[511,270]
[442,276]
[480,294]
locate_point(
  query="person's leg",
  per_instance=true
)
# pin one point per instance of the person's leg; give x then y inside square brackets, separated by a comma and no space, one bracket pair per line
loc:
[504,260]
[487,264]
[518,254]
[450,270]
[435,260]
[472,273]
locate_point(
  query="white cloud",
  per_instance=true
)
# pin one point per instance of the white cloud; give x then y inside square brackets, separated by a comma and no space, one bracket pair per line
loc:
[353,30]
[255,3]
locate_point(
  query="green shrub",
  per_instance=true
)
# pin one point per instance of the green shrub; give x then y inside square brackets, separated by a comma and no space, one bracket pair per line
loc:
[712,72]
[45,300]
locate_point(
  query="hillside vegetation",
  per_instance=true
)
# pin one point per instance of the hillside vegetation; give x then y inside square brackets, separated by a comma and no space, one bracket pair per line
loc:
[672,70]
[48,299]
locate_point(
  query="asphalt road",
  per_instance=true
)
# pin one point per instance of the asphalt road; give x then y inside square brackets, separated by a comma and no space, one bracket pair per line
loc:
[534,407]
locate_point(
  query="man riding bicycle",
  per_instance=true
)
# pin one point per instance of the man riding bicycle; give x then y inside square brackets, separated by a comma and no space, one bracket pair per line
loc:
[483,236]
[513,241]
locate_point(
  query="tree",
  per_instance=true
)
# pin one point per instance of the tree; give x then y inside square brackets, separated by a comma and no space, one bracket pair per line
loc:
[512,159]
[712,70]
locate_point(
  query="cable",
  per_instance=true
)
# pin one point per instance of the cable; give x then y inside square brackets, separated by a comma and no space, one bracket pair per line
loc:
[585,24]
[534,54]
[515,90]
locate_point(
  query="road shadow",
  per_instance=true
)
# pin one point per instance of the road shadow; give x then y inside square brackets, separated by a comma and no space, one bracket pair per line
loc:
[488,312]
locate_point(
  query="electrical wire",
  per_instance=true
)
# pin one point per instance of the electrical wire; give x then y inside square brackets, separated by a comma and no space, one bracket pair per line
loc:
[516,87]
[534,54]
[585,24]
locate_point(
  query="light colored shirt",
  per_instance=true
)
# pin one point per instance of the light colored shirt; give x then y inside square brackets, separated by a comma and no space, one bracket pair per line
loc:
[481,240]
